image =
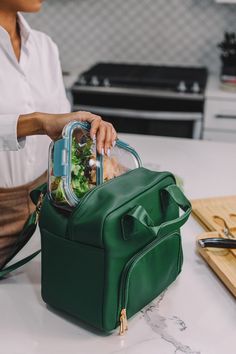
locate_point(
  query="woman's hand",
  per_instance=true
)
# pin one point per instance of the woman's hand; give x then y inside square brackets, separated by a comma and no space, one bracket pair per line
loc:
[104,132]
[52,125]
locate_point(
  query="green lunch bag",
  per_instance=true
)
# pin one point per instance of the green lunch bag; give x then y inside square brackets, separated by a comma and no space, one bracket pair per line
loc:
[117,250]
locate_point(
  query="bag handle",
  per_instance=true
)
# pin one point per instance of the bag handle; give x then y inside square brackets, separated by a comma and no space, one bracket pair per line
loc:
[28,231]
[131,221]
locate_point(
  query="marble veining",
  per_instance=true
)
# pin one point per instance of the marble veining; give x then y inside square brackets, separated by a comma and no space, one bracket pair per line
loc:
[181,324]
[159,324]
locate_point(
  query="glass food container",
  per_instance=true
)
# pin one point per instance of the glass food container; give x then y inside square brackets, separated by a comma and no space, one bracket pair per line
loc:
[75,166]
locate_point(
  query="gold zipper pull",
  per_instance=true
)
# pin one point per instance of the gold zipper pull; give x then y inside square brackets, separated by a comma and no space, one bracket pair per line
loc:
[123,322]
[38,207]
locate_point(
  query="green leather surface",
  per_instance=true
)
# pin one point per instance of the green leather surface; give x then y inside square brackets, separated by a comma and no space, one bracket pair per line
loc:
[84,254]
[52,219]
[73,277]
[146,280]
[101,201]
[120,250]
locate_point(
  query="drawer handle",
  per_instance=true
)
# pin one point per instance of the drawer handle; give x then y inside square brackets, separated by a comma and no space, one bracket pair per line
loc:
[226,116]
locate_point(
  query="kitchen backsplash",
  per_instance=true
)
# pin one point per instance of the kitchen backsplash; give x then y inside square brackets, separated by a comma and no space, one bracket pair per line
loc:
[173,32]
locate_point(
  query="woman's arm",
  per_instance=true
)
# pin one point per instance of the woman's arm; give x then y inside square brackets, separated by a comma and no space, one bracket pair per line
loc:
[52,125]
[29,124]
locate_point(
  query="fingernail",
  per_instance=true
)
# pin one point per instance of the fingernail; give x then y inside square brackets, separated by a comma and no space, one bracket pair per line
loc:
[114,143]
[108,152]
[102,151]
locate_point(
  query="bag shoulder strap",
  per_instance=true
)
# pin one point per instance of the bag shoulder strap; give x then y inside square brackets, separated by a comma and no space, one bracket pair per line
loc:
[18,264]
[29,228]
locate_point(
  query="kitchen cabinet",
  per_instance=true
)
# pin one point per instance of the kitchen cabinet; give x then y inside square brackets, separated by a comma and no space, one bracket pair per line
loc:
[219,113]
[215,135]
[226,1]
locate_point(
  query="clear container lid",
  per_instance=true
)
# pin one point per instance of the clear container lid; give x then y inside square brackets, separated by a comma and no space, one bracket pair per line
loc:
[75,166]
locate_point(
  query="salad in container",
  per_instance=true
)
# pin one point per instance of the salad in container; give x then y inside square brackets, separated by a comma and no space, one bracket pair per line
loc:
[75,166]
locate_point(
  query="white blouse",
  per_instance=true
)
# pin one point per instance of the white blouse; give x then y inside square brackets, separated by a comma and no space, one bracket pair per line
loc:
[34,84]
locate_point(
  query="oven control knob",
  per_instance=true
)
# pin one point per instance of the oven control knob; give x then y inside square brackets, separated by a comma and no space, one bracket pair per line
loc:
[182,86]
[195,88]
[106,82]
[94,81]
[82,80]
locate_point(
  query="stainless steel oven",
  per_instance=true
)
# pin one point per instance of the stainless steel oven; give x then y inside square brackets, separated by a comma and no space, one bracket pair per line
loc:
[142,110]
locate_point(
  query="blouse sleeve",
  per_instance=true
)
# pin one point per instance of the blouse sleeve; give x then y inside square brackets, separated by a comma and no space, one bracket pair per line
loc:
[8,128]
[8,133]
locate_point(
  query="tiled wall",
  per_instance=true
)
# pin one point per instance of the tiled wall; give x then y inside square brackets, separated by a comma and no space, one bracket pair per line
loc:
[155,31]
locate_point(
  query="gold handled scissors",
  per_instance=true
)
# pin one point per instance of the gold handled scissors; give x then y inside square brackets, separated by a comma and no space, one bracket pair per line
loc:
[221,222]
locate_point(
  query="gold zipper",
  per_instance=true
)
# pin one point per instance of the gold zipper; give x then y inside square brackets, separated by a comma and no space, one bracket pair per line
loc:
[38,207]
[123,322]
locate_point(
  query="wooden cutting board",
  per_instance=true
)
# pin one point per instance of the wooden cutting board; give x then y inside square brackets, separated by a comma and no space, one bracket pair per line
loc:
[206,209]
[208,212]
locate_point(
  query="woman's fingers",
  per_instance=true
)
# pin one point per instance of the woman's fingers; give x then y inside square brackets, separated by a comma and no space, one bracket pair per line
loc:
[101,137]
[108,139]
[103,131]
[95,123]
[114,136]
[93,119]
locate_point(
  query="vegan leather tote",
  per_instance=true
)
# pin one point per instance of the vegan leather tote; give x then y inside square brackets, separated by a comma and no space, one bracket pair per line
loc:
[117,250]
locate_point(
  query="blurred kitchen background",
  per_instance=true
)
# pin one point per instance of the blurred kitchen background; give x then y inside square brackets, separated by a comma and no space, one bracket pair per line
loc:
[178,90]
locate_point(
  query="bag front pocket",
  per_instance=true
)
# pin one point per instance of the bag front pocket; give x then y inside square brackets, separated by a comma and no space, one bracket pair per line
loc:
[147,274]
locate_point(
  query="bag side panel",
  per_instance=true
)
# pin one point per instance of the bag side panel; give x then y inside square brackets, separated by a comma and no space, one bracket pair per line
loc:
[53,219]
[73,278]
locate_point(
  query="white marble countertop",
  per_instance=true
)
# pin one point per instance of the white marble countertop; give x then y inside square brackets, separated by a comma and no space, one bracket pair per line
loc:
[197,314]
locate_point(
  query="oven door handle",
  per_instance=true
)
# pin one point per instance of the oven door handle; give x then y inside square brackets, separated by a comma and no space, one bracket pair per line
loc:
[140,114]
